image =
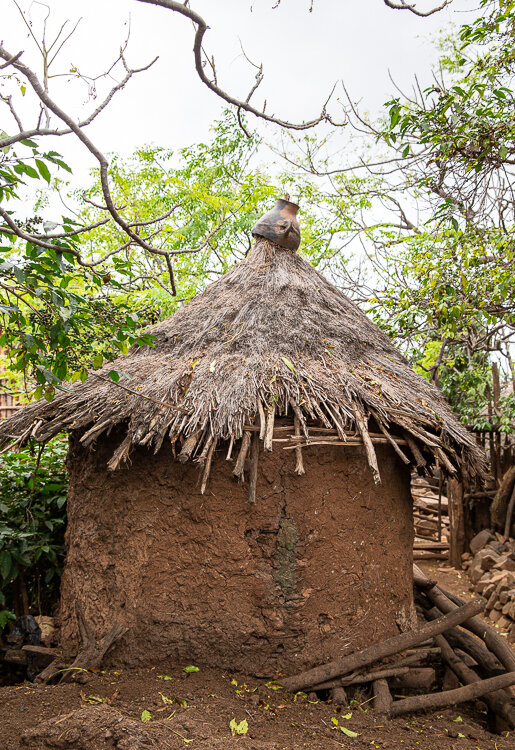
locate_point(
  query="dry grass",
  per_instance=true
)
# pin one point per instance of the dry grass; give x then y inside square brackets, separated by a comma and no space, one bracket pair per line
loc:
[270,335]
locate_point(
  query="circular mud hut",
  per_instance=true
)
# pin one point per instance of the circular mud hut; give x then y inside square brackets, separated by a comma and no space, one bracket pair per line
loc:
[243,501]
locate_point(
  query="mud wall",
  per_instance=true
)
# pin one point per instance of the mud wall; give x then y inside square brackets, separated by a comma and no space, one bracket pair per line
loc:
[319,566]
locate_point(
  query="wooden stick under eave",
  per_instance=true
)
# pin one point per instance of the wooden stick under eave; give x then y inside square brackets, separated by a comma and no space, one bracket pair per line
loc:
[417,455]
[299,469]
[242,455]
[369,446]
[188,447]
[269,431]
[254,463]
[393,443]
[262,420]
[207,467]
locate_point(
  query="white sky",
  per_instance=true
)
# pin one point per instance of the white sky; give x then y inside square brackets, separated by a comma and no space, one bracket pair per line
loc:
[357,41]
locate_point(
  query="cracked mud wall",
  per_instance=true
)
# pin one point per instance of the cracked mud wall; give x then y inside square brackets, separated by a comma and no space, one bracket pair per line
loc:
[319,566]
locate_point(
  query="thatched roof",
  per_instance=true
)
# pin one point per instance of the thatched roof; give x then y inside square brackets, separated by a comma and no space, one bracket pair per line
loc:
[272,337]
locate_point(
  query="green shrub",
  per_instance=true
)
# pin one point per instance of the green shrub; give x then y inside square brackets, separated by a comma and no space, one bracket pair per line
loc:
[33,487]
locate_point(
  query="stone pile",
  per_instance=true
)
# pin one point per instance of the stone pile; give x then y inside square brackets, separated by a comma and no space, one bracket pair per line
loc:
[490,565]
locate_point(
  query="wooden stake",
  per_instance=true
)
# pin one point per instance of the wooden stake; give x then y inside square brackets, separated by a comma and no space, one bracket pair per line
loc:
[207,467]
[299,469]
[262,420]
[242,455]
[269,432]
[254,463]
[367,442]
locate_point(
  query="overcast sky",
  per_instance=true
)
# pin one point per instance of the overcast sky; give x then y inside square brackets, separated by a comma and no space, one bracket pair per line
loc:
[357,41]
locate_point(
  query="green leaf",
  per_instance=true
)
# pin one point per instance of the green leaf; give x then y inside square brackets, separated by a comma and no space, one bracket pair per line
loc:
[238,728]
[288,364]
[43,169]
[97,361]
[5,564]
[146,716]
[349,732]
[190,668]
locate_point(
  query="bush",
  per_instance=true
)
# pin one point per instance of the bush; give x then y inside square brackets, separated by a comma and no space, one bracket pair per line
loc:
[33,488]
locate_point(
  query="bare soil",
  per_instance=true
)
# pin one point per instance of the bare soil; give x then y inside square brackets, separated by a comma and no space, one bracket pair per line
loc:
[200,706]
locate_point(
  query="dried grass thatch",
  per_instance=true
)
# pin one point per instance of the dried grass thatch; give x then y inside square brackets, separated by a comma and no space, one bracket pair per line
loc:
[270,338]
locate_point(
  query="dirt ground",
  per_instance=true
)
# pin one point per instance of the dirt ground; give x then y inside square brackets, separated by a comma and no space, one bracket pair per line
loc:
[197,708]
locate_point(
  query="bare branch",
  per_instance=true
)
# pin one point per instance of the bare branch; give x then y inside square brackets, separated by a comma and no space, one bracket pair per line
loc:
[402,5]
[201,28]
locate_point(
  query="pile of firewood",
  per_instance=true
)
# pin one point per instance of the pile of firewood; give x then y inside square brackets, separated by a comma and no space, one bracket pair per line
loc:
[431,519]
[453,641]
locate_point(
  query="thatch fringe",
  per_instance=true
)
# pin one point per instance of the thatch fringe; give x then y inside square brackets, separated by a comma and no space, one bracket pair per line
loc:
[270,338]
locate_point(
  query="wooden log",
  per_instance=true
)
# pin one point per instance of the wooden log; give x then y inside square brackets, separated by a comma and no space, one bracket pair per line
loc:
[378,651]
[472,645]
[470,692]
[91,651]
[188,447]
[430,556]
[339,696]
[15,656]
[509,514]
[53,669]
[421,678]
[430,546]
[495,701]
[477,626]
[382,697]
[40,650]
[361,679]
[254,464]
[457,542]
[242,455]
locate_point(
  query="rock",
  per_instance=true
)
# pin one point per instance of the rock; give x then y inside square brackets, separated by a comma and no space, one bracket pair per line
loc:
[488,590]
[491,602]
[504,622]
[495,615]
[481,540]
[466,556]
[509,609]
[506,595]
[497,547]
[498,605]
[500,575]
[505,562]
[490,559]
